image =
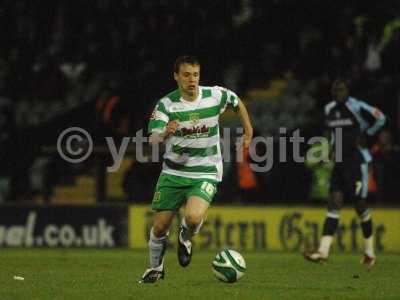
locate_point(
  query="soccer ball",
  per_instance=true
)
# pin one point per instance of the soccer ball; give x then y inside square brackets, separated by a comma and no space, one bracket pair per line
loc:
[229,266]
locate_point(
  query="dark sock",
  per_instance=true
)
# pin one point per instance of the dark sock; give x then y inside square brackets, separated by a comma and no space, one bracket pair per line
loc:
[366,228]
[330,226]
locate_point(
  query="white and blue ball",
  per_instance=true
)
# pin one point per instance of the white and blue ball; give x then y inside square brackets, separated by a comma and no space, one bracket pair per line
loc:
[229,266]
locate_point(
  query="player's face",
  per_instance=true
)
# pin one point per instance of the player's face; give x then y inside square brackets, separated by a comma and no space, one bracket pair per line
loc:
[341,92]
[188,78]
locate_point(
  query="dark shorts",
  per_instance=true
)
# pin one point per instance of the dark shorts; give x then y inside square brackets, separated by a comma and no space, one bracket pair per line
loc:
[351,179]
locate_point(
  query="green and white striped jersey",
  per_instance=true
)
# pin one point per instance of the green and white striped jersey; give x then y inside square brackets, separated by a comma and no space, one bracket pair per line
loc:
[194,150]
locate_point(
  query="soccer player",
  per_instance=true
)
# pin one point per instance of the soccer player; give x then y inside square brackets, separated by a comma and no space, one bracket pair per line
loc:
[186,120]
[350,175]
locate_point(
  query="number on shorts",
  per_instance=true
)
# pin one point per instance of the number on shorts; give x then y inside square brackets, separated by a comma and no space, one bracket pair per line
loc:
[358,187]
[157,196]
[208,188]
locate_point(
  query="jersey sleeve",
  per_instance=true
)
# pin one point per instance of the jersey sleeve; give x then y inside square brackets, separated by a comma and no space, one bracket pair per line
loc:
[379,117]
[227,98]
[158,119]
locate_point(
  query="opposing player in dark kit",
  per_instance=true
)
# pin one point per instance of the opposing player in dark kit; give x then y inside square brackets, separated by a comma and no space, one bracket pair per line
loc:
[347,116]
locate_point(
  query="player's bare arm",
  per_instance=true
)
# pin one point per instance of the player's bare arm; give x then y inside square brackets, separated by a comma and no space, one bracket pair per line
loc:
[246,123]
[170,129]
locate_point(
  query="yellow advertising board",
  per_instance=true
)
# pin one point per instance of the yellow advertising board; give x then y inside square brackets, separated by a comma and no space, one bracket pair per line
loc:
[274,228]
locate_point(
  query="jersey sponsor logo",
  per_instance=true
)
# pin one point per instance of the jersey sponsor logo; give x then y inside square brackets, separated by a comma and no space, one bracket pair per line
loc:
[340,122]
[195,131]
[337,114]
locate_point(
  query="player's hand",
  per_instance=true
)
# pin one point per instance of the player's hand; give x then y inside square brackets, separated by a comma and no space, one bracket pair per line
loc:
[170,129]
[247,137]
[243,142]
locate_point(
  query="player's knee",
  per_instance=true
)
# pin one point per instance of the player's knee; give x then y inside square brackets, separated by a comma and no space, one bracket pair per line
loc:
[335,202]
[361,208]
[160,229]
[193,219]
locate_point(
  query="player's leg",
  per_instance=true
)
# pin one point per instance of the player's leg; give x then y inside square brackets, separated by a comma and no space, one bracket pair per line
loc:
[335,203]
[159,236]
[167,199]
[158,241]
[195,210]
[199,199]
[331,223]
[191,222]
[364,214]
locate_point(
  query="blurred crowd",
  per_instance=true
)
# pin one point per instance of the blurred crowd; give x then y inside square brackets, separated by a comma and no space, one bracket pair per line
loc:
[103,64]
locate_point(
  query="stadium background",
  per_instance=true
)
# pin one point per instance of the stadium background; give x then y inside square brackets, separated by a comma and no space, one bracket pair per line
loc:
[102,66]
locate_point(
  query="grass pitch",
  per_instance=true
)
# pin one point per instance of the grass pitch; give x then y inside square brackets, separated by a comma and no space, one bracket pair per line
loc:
[113,274]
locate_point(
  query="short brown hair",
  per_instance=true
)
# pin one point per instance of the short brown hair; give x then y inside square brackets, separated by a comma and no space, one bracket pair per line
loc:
[185,59]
